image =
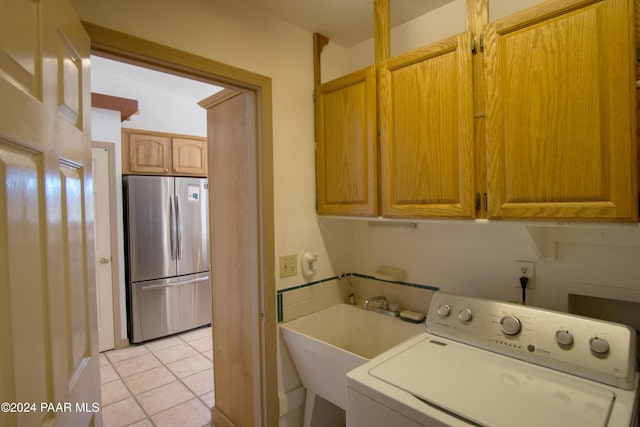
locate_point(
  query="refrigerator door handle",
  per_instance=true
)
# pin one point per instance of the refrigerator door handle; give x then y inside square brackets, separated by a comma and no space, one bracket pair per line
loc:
[172,225]
[178,228]
[168,285]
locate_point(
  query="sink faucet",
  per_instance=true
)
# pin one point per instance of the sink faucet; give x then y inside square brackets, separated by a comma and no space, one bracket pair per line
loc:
[385,303]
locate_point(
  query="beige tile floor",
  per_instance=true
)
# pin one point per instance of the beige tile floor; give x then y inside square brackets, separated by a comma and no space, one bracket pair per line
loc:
[165,382]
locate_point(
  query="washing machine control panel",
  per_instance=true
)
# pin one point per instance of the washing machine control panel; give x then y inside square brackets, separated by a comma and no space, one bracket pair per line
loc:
[591,348]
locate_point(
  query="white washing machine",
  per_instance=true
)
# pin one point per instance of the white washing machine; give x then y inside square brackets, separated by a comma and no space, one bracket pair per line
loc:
[489,363]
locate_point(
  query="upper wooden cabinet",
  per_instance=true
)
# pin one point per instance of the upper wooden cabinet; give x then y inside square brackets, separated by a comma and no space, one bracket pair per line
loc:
[146,154]
[561,112]
[426,125]
[346,152]
[539,124]
[155,153]
[189,156]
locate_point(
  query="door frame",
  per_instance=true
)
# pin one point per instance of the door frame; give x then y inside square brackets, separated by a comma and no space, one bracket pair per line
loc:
[126,48]
[118,341]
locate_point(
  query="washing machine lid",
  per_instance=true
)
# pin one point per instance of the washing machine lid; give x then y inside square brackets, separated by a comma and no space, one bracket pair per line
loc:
[489,389]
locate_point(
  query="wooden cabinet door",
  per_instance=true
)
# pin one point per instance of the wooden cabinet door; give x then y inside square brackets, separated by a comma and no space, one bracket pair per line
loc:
[560,112]
[426,125]
[189,156]
[346,155]
[49,361]
[149,154]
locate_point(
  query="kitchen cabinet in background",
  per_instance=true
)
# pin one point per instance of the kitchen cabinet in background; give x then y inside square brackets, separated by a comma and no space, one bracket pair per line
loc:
[157,153]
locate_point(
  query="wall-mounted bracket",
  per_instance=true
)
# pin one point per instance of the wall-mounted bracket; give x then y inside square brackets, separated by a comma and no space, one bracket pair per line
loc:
[319,42]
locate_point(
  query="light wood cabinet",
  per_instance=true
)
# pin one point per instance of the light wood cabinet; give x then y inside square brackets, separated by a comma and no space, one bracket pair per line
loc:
[346,151]
[156,153]
[561,112]
[552,134]
[426,126]
[189,156]
[146,154]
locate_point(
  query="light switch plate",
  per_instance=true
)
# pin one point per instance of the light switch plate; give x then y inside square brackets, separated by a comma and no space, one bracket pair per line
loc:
[288,265]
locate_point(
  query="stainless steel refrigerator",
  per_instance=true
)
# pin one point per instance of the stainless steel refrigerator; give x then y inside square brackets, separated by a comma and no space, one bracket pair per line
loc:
[167,251]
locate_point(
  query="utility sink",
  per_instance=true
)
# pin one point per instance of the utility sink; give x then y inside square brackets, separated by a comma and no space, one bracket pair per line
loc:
[327,344]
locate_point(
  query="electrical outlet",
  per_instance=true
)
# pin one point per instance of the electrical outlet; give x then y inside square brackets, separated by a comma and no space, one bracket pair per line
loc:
[526,269]
[288,265]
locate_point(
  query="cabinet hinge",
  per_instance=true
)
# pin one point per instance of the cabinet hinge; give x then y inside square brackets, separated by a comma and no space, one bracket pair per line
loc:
[477,44]
[482,201]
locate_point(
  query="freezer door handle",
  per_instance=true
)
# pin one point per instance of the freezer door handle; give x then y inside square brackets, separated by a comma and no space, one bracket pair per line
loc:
[168,285]
[178,228]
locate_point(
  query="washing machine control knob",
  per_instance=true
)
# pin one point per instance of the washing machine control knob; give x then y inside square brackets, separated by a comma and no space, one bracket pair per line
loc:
[599,345]
[564,337]
[510,325]
[465,315]
[444,310]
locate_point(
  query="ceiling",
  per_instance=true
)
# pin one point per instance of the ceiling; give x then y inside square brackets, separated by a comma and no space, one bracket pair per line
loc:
[344,22]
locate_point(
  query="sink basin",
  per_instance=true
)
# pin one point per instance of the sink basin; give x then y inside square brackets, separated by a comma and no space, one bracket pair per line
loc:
[326,345]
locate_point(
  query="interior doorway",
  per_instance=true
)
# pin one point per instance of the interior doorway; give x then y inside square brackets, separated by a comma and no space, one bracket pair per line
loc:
[259,326]
[165,103]
[103,158]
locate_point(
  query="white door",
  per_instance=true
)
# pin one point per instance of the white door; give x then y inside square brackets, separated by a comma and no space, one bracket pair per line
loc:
[104,273]
[48,352]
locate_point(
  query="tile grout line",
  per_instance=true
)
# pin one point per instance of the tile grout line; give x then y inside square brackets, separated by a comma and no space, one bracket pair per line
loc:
[195,373]
[162,364]
[135,396]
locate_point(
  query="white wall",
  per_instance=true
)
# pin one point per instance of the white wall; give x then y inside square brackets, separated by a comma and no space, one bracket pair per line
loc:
[478,257]
[166,102]
[445,21]
[442,22]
